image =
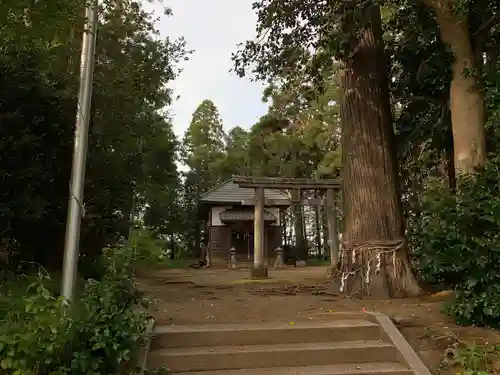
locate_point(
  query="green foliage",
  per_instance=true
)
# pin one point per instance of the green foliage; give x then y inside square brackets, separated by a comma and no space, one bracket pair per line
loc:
[203,145]
[148,248]
[299,136]
[203,151]
[98,334]
[236,150]
[130,135]
[287,32]
[492,83]
[472,358]
[459,244]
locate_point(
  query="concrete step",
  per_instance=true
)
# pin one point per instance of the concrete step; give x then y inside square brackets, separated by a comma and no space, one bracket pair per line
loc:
[265,333]
[268,356]
[377,368]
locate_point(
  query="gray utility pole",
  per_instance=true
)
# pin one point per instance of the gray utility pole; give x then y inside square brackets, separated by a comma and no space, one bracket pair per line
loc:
[76,209]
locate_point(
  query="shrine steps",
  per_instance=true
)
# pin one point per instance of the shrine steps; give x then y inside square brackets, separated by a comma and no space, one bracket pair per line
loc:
[338,346]
[343,369]
[262,333]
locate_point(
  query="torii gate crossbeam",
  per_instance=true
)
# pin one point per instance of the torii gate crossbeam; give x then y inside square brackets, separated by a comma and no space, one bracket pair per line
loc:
[259,269]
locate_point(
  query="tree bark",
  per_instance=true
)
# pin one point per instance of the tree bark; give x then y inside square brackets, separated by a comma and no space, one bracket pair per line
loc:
[373,221]
[466,100]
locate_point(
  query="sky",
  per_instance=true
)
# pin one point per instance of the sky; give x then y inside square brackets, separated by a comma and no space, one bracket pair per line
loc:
[212,28]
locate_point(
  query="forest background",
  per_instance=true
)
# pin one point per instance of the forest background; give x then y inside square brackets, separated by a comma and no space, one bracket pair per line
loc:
[399,98]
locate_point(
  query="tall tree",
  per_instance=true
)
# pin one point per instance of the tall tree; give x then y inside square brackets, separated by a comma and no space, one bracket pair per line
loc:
[369,167]
[39,70]
[203,152]
[160,186]
[203,145]
[236,151]
[466,98]
[372,206]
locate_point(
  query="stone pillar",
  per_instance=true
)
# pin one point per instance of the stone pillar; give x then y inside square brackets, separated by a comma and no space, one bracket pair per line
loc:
[280,261]
[333,238]
[232,258]
[259,269]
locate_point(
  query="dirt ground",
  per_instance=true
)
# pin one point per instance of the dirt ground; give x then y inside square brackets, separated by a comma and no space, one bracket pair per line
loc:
[200,296]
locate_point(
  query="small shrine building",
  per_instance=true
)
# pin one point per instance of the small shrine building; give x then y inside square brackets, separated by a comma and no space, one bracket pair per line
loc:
[229,213]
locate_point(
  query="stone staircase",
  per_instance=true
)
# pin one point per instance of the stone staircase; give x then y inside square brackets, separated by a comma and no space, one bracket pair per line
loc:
[366,344]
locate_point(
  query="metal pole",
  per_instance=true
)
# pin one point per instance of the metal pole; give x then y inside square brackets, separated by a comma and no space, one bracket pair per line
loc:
[75,208]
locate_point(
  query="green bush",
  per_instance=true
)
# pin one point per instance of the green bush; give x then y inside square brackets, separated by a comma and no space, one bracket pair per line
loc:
[145,250]
[148,248]
[91,267]
[98,334]
[458,245]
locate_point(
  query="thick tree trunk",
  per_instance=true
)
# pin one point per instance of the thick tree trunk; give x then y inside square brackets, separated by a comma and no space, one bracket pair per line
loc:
[466,100]
[375,259]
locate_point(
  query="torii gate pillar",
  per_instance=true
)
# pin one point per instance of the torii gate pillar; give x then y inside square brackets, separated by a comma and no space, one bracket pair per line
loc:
[259,269]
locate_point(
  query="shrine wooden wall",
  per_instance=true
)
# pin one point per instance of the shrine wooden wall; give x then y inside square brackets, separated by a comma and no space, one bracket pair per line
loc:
[220,241]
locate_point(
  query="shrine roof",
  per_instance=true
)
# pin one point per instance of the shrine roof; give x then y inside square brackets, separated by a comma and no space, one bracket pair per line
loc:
[229,192]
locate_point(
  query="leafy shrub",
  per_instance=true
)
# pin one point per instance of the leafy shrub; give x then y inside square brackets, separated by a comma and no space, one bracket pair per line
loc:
[459,245]
[148,248]
[98,334]
[92,267]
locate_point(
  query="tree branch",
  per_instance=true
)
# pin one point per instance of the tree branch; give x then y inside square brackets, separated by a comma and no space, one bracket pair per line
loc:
[486,25]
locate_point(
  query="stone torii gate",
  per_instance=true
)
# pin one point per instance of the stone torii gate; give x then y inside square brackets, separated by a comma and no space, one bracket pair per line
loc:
[259,269]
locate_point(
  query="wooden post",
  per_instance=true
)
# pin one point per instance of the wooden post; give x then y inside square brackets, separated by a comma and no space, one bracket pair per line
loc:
[333,238]
[259,269]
